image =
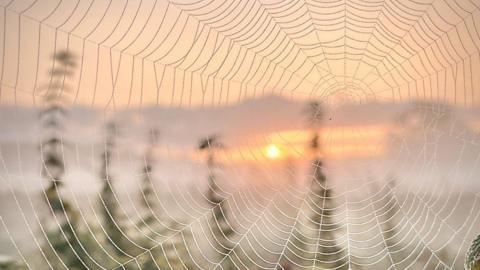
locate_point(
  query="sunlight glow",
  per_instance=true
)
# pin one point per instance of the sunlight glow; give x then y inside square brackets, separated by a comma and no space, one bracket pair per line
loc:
[272,151]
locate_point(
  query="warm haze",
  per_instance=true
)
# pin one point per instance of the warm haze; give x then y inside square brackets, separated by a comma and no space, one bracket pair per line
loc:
[252,134]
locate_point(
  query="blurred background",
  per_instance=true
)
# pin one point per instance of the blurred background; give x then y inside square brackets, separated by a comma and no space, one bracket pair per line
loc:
[239,135]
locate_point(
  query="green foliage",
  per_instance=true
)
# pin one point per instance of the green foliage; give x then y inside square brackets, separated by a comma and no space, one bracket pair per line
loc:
[222,231]
[62,248]
[61,245]
[328,254]
[147,243]
[12,265]
[472,259]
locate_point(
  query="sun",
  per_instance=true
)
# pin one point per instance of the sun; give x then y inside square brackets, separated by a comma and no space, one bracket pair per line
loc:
[272,151]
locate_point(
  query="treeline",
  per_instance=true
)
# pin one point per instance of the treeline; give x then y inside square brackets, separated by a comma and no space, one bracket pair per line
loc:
[70,241]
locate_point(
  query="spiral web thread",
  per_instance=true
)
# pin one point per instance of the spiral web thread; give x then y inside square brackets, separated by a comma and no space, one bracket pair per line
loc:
[133,54]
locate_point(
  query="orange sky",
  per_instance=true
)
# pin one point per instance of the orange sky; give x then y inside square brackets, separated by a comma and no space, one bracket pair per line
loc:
[137,53]
[338,143]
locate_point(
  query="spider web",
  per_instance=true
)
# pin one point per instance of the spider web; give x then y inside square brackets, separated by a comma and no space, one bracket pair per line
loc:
[135,55]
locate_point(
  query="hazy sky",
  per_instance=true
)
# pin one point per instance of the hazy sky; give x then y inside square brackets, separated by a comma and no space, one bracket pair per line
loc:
[251,64]
[188,53]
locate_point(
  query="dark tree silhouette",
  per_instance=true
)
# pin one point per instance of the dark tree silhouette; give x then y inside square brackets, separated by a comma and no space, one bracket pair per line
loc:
[64,248]
[328,254]
[147,196]
[113,223]
[52,118]
[222,229]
